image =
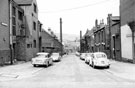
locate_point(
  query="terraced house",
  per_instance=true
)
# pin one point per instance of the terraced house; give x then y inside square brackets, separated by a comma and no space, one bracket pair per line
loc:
[105,38]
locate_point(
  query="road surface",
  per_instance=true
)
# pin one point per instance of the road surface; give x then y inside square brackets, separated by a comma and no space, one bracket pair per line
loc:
[70,72]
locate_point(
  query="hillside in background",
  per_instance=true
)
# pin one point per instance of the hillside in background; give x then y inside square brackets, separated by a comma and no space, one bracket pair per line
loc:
[68,37]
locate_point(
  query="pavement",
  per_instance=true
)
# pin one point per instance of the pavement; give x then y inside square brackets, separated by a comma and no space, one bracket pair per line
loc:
[122,69]
[17,71]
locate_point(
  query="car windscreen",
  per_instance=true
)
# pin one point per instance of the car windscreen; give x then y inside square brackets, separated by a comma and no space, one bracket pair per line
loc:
[100,56]
[55,54]
[89,55]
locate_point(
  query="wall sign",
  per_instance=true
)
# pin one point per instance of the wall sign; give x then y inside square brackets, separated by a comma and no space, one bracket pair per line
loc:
[129,35]
[4,24]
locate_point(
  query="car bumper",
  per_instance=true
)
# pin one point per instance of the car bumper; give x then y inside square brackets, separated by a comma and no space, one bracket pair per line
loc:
[38,63]
[56,59]
[102,64]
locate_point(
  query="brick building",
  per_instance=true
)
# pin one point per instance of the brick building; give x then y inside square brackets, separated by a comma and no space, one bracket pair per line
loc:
[31,45]
[50,42]
[100,37]
[12,28]
[89,35]
[105,38]
[114,37]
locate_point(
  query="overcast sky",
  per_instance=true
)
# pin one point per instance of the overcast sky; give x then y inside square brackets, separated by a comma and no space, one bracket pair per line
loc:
[76,14]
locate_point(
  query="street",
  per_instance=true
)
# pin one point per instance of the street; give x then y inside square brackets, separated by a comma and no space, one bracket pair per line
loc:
[70,72]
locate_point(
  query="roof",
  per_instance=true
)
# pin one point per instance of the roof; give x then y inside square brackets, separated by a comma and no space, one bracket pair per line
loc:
[24,2]
[89,32]
[115,18]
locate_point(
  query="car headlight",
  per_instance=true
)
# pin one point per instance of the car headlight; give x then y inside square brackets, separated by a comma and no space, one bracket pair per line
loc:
[32,59]
[95,62]
[45,61]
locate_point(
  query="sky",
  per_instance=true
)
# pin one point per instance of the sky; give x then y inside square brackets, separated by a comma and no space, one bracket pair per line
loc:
[77,15]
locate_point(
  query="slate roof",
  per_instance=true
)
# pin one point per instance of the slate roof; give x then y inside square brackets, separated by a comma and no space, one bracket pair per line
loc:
[24,2]
[115,20]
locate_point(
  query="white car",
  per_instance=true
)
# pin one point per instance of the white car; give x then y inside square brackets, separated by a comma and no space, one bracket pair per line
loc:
[56,57]
[88,58]
[41,59]
[99,59]
[83,56]
[77,54]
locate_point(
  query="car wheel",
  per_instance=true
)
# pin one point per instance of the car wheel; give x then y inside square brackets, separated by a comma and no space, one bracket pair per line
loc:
[46,64]
[93,65]
[34,65]
[89,63]
[85,61]
[108,67]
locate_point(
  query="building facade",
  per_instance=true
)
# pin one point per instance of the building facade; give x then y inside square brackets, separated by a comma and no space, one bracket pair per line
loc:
[12,29]
[105,37]
[114,37]
[4,32]
[31,45]
[127,12]
[99,36]
[50,43]
[89,35]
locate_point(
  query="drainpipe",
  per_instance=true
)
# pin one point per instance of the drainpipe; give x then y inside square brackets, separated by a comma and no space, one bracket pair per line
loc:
[10,32]
[133,46]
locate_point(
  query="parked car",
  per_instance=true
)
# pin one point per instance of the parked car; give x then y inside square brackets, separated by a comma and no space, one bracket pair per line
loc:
[83,56]
[88,58]
[99,59]
[77,53]
[42,58]
[56,57]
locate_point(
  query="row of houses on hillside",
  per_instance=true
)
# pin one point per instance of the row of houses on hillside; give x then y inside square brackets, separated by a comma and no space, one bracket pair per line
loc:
[21,33]
[116,38]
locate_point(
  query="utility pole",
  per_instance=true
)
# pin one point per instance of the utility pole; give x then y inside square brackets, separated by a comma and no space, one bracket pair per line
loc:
[61,35]
[80,41]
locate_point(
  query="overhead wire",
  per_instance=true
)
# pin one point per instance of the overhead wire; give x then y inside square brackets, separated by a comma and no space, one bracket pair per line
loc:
[75,8]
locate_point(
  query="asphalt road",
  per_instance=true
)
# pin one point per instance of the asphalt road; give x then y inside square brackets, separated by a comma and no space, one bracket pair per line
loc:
[70,72]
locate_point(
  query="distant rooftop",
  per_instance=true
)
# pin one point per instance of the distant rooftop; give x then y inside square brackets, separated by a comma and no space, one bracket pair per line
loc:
[115,18]
[23,2]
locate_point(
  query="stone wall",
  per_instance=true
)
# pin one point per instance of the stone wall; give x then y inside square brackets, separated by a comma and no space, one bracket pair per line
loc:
[4,57]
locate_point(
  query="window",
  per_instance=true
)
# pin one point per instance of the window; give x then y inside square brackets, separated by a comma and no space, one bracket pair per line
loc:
[34,42]
[35,8]
[20,15]
[34,25]
[13,11]
[13,21]
[40,27]
[28,45]
[101,56]
[13,30]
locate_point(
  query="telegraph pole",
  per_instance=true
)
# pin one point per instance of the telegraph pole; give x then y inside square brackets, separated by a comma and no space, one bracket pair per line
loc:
[61,35]
[80,41]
